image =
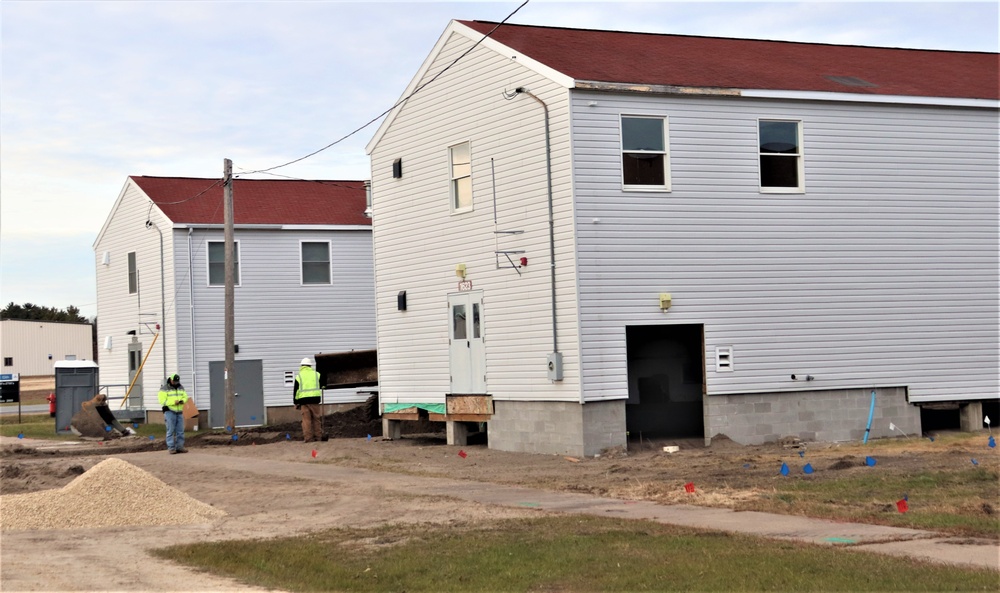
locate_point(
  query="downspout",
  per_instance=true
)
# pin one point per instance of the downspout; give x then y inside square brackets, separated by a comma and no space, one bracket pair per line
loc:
[552,232]
[194,356]
[163,298]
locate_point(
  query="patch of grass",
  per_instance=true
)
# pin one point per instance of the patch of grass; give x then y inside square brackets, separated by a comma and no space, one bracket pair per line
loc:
[42,426]
[962,501]
[563,553]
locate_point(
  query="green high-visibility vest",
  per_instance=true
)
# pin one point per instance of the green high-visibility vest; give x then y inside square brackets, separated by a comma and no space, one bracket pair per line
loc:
[308,383]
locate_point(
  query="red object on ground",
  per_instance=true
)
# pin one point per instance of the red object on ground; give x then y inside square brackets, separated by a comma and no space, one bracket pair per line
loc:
[463,454]
[689,487]
[51,398]
[902,505]
[314,453]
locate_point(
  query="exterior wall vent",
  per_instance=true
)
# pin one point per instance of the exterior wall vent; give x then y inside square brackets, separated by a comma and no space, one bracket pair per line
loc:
[289,378]
[397,168]
[723,359]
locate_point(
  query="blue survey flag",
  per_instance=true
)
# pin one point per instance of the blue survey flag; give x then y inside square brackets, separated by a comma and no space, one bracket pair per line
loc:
[802,453]
[870,461]
[992,442]
[808,468]
[784,469]
[974,462]
[236,437]
[288,437]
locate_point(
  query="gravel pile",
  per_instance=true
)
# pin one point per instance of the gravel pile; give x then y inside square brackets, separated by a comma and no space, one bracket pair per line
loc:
[114,493]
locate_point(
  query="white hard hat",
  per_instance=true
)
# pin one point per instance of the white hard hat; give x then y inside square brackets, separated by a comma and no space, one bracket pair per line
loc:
[306,362]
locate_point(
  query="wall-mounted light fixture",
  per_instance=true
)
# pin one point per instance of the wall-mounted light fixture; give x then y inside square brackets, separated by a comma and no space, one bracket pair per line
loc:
[460,270]
[107,343]
[665,301]
[106,259]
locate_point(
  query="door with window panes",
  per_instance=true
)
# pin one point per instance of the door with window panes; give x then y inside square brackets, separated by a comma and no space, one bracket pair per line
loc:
[467,353]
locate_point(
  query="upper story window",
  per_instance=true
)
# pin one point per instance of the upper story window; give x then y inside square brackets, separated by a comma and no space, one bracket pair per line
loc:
[217,263]
[781,168]
[316,262]
[460,159]
[645,162]
[133,274]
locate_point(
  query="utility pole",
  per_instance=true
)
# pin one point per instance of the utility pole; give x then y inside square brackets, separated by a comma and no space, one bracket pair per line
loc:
[227,176]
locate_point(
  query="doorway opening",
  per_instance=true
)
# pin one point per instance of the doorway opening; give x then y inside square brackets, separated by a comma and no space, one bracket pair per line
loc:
[666,381]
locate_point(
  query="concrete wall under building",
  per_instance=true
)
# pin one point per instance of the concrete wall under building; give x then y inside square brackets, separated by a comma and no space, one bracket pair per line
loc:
[831,415]
[563,428]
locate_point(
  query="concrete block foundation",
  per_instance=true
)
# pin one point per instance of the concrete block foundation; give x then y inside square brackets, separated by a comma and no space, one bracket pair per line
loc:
[562,428]
[828,415]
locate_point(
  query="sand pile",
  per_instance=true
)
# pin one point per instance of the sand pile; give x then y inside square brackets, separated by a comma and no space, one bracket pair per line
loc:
[114,493]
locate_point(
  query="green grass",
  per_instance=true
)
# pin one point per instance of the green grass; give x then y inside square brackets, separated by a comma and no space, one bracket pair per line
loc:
[564,553]
[42,426]
[962,501]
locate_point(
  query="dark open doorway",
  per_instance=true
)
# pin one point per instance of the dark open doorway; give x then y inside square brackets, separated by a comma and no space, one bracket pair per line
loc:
[666,381]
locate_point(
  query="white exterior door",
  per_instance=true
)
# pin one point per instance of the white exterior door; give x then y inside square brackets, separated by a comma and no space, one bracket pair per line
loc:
[467,353]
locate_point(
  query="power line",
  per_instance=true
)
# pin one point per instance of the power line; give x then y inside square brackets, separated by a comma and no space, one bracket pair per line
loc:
[398,103]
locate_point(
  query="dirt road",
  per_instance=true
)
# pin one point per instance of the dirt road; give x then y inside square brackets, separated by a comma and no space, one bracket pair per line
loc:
[295,492]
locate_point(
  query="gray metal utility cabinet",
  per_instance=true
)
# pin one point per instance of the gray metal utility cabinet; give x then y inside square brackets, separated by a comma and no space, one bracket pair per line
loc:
[76,382]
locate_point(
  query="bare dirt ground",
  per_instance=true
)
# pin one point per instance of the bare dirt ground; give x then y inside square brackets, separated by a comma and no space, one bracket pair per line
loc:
[725,474]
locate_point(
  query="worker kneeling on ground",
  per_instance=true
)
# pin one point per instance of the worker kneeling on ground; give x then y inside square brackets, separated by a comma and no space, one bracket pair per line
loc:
[172,399]
[307,396]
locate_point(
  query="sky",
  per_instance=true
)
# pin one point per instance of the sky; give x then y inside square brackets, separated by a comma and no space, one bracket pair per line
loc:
[92,92]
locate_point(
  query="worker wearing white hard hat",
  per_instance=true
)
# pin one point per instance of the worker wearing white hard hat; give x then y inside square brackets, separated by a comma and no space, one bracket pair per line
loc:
[307,396]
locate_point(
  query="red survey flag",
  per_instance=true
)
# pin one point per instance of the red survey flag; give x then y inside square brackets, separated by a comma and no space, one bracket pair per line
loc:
[902,505]
[463,454]
[314,453]
[689,487]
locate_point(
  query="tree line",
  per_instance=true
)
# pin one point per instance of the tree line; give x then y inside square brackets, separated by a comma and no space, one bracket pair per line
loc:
[39,313]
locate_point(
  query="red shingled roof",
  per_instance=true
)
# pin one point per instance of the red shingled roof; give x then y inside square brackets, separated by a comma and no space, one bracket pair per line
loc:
[258,201]
[712,62]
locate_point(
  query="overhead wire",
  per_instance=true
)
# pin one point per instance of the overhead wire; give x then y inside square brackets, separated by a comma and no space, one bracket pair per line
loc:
[398,103]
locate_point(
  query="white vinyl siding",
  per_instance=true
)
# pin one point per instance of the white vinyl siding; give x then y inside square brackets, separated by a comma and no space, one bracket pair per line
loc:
[118,312]
[418,243]
[278,320]
[884,274]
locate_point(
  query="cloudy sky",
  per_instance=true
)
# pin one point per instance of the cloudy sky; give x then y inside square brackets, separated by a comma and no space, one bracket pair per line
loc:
[92,92]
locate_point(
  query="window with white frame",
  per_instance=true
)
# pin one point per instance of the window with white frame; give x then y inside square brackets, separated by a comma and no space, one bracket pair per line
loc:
[133,274]
[316,262]
[217,263]
[780,145]
[645,161]
[460,160]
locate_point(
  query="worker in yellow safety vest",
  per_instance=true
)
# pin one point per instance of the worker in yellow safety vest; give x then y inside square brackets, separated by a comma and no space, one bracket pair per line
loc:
[172,399]
[307,396]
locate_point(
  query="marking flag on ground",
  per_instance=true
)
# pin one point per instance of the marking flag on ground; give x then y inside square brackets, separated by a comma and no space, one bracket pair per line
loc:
[802,453]
[235,437]
[992,442]
[870,461]
[974,462]
[808,468]
[463,454]
[288,437]
[107,429]
[784,469]
[20,435]
[314,453]
[689,487]
[902,505]
[151,437]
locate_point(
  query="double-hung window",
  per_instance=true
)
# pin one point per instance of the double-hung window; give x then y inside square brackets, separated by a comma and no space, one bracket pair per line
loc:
[645,160]
[217,263]
[315,262]
[460,161]
[133,274]
[781,168]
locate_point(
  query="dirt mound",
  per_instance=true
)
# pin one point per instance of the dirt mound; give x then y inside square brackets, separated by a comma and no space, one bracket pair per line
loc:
[723,442]
[114,493]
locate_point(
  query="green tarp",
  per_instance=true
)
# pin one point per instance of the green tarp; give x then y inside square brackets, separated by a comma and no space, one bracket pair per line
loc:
[431,408]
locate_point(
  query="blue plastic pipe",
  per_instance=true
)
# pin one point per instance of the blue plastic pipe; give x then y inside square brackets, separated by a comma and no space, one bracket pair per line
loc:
[871,414]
